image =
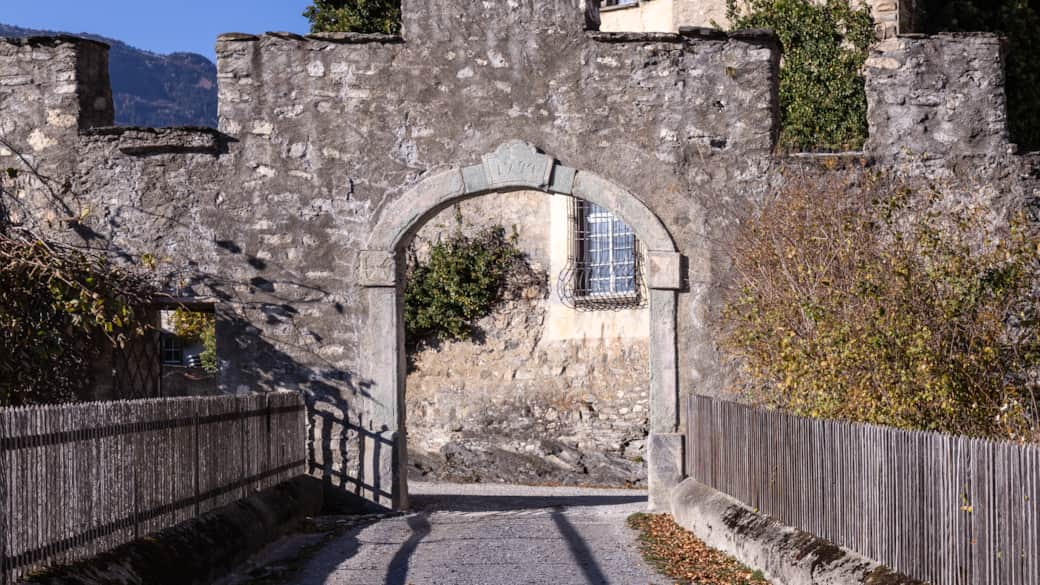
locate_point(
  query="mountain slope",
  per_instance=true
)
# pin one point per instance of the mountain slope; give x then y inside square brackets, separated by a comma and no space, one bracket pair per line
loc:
[179,89]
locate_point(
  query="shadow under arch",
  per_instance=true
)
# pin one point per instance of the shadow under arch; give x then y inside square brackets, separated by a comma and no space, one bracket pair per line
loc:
[514,166]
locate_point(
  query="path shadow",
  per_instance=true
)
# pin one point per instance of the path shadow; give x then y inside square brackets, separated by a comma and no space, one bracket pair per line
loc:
[580,550]
[482,503]
[397,572]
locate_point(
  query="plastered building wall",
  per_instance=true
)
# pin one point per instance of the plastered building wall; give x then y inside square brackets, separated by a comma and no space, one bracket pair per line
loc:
[891,17]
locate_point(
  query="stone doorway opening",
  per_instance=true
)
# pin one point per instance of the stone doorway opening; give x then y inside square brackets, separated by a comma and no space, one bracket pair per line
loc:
[514,168]
[552,385]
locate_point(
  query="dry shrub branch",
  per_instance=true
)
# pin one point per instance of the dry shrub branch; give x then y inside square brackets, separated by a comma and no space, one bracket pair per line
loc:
[863,298]
[60,305]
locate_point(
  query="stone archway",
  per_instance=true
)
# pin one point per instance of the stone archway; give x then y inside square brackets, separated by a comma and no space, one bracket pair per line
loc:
[515,165]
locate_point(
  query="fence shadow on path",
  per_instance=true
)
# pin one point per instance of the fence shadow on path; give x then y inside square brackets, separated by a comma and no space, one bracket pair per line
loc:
[397,572]
[448,502]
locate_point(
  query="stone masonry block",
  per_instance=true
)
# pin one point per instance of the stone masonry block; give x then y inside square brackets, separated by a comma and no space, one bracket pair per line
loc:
[665,270]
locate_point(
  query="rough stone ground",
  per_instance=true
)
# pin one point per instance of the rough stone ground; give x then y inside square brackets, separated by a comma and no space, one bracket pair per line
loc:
[469,535]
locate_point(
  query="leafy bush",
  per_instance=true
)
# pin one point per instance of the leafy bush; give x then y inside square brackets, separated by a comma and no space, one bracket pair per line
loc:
[58,307]
[823,103]
[199,326]
[866,300]
[461,281]
[1019,21]
[361,16]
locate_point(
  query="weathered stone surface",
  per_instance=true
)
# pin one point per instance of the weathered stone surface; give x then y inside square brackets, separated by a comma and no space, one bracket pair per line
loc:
[326,142]
[666,452]
[786,555]
[937,96]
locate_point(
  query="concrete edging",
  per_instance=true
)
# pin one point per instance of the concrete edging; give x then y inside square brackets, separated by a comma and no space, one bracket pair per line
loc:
[200,550]
[786,555]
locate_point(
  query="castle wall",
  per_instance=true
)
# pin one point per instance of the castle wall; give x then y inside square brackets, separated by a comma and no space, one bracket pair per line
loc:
[320,135]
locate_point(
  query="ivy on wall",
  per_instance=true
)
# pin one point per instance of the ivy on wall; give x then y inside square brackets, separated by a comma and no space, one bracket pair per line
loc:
[823,103]
[462,280]
[1019,21]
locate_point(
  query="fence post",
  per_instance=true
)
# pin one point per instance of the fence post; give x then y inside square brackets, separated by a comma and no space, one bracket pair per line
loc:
[4,502]
[196,453]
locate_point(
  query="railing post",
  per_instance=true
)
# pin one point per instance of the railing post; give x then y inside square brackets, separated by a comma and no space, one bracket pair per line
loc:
[5,504]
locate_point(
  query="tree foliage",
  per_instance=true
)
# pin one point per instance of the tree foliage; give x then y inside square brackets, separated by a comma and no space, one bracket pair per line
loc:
[60,306]
[200,327]
[361,16]
[823,104]
[1019,21]
[461,281]
[871,301]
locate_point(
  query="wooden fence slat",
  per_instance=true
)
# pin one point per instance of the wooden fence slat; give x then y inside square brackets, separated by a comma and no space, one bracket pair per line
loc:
[77,480]
[945,509]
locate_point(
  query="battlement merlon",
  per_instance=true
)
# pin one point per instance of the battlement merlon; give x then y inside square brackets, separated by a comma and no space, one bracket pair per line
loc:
[440,21]
[940,95]
[937,96]
[51,88]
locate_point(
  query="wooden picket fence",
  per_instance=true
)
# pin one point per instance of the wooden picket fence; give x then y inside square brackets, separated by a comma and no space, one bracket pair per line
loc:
[944,509]
[77,480]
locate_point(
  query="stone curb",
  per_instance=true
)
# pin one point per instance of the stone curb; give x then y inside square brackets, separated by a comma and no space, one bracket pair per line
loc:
[786,555]
[199,550]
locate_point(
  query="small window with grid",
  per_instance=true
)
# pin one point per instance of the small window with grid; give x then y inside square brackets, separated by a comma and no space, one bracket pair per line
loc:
[172,350]
[603,268]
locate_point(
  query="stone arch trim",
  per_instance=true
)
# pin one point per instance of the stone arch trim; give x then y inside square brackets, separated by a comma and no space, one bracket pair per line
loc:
[513,166]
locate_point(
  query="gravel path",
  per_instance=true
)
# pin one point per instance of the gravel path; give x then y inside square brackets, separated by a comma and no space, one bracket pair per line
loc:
[477,535]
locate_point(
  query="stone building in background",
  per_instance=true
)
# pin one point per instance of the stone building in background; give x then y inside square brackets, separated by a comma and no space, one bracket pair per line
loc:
[892,17]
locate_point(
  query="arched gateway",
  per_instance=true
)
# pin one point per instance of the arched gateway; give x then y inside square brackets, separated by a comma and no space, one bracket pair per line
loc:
[514,165]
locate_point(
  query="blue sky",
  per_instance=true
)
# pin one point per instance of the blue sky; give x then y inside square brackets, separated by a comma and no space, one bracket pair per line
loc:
[162,26]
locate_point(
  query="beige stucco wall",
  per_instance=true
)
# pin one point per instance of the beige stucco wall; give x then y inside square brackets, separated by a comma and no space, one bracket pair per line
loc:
[647,16]
[892,16]
[664,15]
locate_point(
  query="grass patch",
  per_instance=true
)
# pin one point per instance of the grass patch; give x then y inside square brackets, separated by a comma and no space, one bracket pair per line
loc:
[674,552]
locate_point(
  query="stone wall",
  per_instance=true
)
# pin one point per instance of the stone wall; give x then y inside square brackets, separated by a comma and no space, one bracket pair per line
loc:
[519,409]
[323,137]
[937,96]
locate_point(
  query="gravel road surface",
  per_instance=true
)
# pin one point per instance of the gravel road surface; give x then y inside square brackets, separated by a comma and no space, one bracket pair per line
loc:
[483,534]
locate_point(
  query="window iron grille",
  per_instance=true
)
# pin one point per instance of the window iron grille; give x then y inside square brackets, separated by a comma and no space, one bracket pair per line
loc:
[604,266]
[137,369]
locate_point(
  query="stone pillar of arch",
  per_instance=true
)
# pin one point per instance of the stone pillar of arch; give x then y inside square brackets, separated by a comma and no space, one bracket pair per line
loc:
[514,165]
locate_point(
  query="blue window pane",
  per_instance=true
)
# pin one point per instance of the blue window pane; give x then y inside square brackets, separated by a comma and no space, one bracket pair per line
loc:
[609,252]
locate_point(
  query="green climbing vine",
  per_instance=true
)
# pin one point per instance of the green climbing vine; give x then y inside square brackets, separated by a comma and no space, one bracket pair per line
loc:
[461,280]
[823,104]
